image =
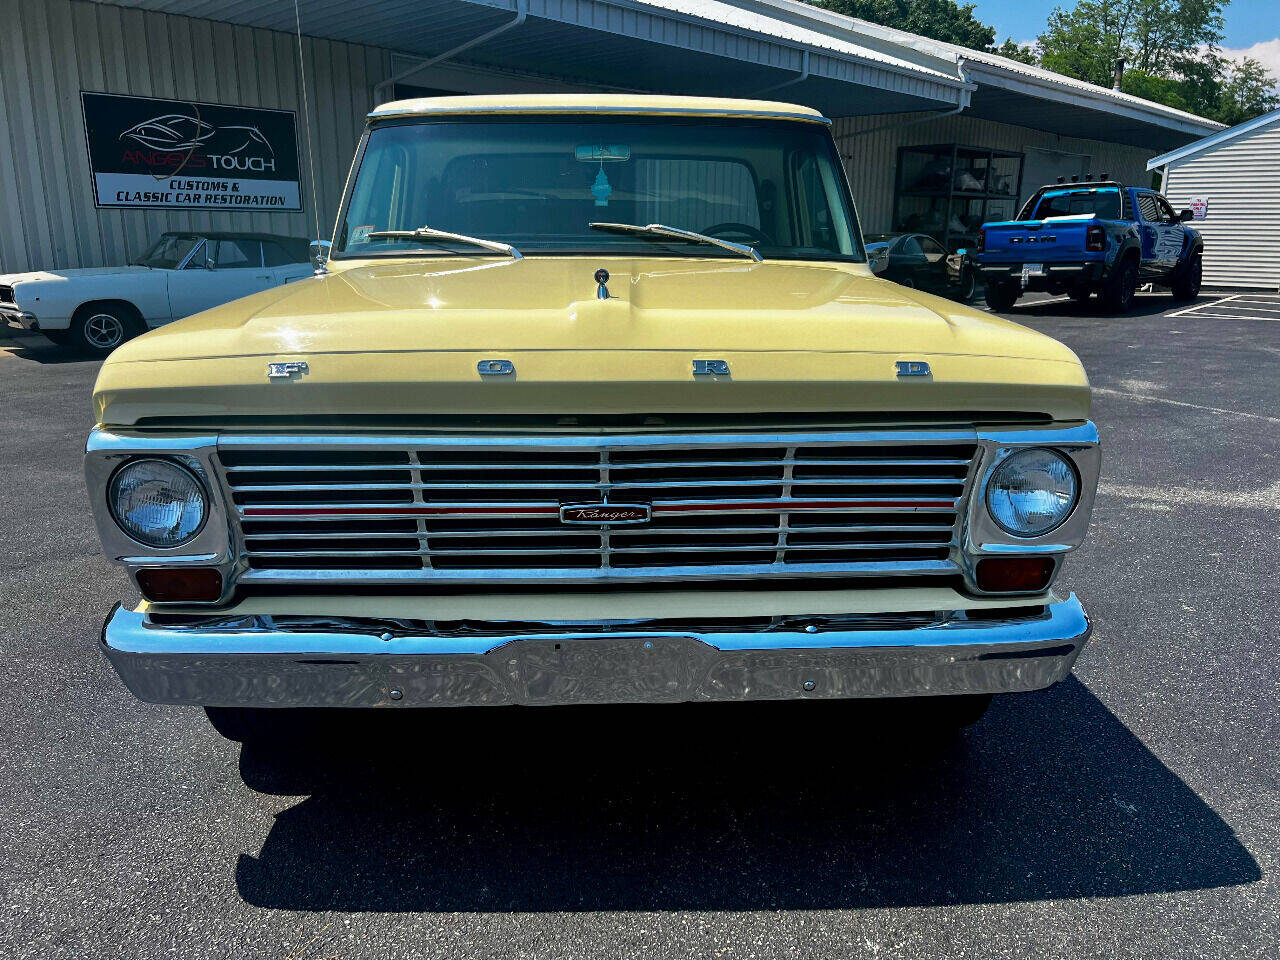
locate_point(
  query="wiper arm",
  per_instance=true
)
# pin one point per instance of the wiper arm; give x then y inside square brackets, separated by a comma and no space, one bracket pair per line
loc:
[662,230]
[431,233]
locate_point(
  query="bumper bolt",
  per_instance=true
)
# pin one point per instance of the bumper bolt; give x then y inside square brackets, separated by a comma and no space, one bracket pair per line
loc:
[809,686]
[396,694]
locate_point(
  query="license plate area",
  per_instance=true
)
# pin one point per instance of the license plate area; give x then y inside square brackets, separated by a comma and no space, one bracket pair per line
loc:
[1032,270]
[605,669]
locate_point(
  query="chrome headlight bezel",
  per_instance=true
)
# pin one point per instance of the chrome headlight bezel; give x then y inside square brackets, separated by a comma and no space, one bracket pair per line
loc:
[1010,462]
[131,530]
[213,544]
[1078,443]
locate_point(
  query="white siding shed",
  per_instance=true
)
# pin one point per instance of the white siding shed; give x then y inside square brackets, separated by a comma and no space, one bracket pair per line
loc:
[1238,172]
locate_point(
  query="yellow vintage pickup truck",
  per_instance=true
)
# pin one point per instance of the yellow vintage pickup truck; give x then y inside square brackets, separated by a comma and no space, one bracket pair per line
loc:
[595,400]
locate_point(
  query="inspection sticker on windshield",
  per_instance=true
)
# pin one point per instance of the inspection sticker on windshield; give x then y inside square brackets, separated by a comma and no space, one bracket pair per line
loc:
[361,234]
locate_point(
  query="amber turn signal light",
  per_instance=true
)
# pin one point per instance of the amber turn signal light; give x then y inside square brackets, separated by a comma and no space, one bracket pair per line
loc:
[181,584]
[1014,574]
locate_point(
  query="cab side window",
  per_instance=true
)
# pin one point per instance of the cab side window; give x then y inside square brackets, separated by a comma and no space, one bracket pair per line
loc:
[274,255]
[234,254]
[1148,208]
[933,251]
[911,248]
[1166,212]
[198,257]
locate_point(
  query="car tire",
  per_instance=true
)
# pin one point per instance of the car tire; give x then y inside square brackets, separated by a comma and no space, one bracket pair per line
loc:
[97,330]
[243,724]
[60,337]
[1001,295]
[967,291]
[1117,296]
[1187,286]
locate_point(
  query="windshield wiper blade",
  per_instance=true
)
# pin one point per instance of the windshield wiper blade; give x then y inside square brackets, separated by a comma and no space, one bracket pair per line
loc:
[662,230]
[431,233]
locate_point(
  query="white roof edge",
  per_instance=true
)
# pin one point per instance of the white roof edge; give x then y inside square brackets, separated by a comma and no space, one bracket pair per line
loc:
[1103,97]
[1214,140]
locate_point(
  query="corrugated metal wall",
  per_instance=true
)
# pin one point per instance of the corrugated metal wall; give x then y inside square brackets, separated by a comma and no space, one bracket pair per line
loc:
[873,156]
[1242,229]
[50,50]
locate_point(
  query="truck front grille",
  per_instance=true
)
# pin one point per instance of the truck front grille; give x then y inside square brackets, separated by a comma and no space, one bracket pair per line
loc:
[6,294]
[470,509]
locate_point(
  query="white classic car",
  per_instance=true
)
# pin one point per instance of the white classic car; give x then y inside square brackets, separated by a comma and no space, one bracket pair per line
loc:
[96,309]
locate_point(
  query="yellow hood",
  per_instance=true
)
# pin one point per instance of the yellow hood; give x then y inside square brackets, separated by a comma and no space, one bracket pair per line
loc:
[403,339]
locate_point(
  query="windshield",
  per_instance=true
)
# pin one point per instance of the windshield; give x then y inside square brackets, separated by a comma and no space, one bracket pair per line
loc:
[167,252]
[538,183]
[1073,203]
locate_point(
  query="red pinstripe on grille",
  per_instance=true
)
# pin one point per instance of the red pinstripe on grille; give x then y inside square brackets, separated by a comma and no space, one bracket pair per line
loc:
[553,510]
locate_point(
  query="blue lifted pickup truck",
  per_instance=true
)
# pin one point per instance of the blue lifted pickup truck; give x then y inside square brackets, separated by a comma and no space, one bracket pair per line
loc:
[1085,238]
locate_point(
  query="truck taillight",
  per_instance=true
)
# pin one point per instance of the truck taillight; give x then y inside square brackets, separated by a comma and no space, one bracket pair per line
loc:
[1095,239]
[982,239]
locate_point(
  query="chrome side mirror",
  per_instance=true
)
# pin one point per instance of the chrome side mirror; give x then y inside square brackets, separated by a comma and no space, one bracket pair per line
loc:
[320,254]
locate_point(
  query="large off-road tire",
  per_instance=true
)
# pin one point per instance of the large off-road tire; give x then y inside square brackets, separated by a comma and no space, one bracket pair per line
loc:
[98,329]
[1118,294]
[1187,286]
[1002,295]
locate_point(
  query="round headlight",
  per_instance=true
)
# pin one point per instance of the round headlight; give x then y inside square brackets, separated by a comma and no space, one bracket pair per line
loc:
[157,502]
[1032,491]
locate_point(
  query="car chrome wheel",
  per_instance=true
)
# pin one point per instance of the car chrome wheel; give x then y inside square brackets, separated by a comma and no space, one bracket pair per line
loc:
[103,331]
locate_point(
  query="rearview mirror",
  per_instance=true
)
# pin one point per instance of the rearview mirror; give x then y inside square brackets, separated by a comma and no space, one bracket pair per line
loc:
[320,253]
[1186,215]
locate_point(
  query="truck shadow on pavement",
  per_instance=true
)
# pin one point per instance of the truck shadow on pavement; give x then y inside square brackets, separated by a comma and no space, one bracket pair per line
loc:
[1144,305]
[802,805]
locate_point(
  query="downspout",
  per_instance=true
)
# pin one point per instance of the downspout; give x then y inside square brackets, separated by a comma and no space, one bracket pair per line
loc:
[802,76]
[965,95]
[521,12]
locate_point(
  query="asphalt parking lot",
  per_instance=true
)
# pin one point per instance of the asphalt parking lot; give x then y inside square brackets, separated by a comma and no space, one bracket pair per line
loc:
[1132,811]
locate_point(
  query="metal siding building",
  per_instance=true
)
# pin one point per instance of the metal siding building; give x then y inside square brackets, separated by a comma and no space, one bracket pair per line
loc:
[1238,170]
[879,84]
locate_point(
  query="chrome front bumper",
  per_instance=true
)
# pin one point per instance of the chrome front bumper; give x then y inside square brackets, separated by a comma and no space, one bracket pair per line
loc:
[265,662]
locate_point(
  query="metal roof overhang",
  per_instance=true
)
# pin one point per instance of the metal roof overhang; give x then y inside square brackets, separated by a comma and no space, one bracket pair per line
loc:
[1024,102]
[617,44]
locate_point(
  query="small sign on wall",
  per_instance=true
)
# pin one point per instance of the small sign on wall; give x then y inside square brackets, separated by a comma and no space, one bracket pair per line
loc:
[145,152]
[1199,207]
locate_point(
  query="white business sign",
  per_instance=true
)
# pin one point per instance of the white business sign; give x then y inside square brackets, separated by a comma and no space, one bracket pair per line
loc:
[1199,207]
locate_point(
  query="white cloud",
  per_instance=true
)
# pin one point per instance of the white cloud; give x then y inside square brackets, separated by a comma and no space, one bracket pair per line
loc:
[1265,51]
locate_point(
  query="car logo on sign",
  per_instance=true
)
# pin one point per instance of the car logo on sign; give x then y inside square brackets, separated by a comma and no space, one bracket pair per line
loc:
[597,514]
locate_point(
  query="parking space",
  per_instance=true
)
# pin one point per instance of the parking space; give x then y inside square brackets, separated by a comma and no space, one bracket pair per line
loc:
[1236,306]
[1131,812]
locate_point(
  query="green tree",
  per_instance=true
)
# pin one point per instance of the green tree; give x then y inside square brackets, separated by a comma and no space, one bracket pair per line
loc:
[1017,51]
[1151,36]
[943,20]
[1248,92]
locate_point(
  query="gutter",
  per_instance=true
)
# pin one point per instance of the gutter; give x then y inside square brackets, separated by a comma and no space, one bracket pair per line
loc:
[799,78]
[522,11]
[966,93]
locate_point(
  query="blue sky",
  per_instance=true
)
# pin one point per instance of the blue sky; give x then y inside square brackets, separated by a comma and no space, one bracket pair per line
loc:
[1253,26]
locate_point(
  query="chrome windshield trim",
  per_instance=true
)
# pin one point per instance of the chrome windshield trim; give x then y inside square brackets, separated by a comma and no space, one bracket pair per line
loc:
[384,113]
